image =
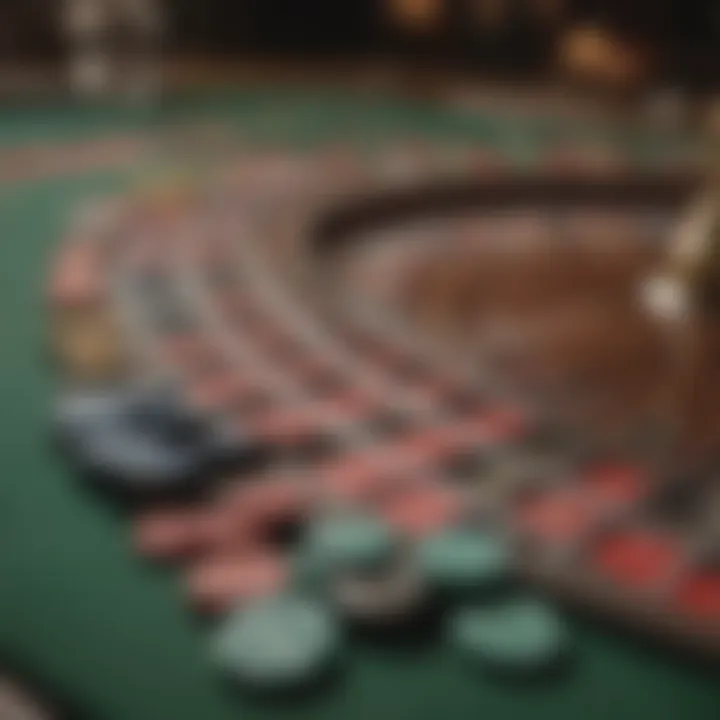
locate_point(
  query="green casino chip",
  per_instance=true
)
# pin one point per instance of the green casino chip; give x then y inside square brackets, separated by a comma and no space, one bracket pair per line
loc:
[348,542]
[517,635]
[279,642]
[465,560]
[310,573]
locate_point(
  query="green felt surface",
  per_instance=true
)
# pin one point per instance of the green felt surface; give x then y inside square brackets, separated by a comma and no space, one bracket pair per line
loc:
[111,636]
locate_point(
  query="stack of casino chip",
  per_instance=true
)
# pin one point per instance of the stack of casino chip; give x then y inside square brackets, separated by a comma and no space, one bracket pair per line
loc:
[339,543]
[140,443]
[514,636]
[85,334]
[278,643]
[465,562]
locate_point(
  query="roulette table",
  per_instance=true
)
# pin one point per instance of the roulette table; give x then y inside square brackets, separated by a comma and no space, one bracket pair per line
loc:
[109,635]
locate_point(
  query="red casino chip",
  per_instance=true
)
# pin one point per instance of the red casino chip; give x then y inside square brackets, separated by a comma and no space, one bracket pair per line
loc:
[561,517]
[638,558]
[191,353]
[432,445]
[177,533]
[274,340]
[218,583]
[77,278]
[354,405]
[420,510]
[273,499]
[698,594]
[167,534]
[71,287]
[227,389]
[290,427]
[452,396]
[314,371]
[356,478]
[615,486]
[222,529]
[364,472]
[496,425]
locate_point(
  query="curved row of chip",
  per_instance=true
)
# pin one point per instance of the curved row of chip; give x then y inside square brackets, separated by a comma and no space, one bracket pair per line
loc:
[292,489]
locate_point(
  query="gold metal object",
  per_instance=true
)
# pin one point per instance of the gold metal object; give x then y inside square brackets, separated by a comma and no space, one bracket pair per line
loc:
[689,282]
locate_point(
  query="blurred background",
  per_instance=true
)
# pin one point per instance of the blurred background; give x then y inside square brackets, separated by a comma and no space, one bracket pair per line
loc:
[627,48]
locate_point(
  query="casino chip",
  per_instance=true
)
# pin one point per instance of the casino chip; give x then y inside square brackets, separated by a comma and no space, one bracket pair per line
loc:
[88,346]
[217,584]
[420,509]
[167,533]
[463,560]
[389,596]
[348,542]
[517,635]
[77,280]
[278,643]
[142,443]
